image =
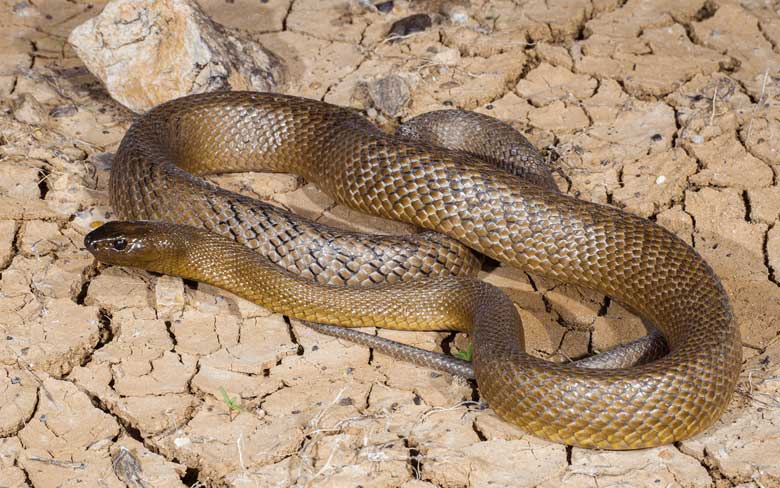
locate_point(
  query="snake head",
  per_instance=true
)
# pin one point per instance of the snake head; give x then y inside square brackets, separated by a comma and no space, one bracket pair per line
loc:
[144,245]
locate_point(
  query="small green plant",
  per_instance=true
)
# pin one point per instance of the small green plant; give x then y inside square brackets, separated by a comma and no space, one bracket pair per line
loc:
[232,403]
[467,354]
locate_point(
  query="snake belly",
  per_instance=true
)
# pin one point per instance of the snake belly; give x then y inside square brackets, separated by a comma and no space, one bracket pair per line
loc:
[519,223]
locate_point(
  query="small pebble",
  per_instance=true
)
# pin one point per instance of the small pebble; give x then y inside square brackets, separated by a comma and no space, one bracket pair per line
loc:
[459,16]
[410,25]
[660,180]
[697,139]
[384,7]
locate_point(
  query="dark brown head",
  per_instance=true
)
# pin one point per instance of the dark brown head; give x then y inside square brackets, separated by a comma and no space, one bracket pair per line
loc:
[148,245]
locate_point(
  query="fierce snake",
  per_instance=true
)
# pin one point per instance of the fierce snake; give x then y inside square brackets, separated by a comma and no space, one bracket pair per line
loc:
[300,268]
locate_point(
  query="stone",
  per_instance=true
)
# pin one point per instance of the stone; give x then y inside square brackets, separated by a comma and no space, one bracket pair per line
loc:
[389,94]
[134,45]
[169,296]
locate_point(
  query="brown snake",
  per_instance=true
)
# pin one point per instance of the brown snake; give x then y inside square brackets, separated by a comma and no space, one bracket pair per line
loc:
[525,224]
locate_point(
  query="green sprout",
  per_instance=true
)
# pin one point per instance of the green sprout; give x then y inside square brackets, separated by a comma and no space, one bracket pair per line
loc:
[467,354]
[232,403]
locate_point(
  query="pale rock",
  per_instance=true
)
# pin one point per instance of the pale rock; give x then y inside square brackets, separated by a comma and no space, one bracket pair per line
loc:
[148,52]
[169,296]
[447,56]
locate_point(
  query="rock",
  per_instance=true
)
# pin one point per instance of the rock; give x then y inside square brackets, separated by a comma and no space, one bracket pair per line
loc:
[389,94]
[148,52]
[169,296]
[409,25]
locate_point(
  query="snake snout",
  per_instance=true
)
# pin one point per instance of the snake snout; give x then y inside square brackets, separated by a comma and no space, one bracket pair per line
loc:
[123,243]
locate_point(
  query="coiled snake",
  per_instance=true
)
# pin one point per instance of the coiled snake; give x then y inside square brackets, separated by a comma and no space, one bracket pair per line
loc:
[518,219]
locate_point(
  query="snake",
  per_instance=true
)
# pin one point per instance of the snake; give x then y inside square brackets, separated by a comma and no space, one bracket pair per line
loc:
[429,175]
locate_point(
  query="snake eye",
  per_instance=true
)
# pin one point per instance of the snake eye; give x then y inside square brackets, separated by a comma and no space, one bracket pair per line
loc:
[119,244]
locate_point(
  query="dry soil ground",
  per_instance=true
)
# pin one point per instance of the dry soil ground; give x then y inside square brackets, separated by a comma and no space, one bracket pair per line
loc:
[109,376]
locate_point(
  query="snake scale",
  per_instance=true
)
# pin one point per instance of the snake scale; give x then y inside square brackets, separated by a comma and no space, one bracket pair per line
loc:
[299,268]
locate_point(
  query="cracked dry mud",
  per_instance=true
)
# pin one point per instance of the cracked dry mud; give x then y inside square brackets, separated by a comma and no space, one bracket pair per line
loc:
[116,377]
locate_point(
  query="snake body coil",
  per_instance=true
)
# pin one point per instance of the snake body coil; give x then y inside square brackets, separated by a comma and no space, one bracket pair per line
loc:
[520,223]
